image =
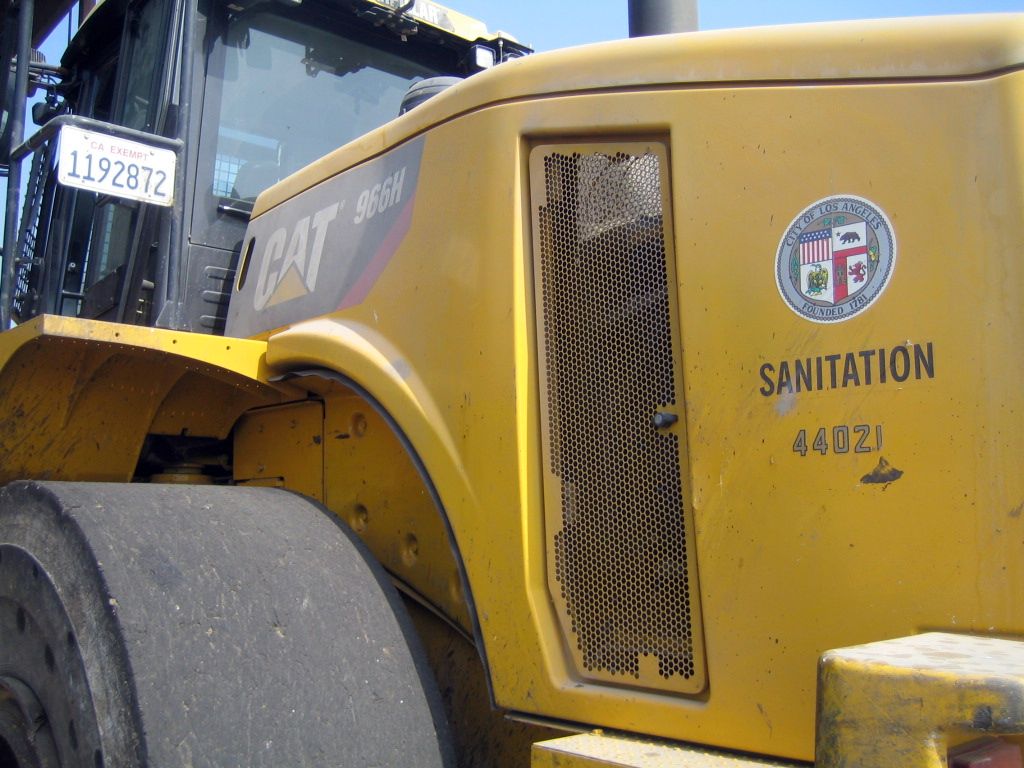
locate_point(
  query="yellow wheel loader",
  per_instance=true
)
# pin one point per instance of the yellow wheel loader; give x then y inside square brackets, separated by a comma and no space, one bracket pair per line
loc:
[651,403]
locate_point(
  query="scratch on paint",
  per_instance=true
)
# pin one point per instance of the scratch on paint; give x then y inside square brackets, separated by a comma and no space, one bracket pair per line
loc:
[767,720]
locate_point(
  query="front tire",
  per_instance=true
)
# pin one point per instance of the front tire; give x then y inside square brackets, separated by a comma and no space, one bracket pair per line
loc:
[209,626]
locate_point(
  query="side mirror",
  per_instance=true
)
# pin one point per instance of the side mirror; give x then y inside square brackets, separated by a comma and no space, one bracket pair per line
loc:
[44,111]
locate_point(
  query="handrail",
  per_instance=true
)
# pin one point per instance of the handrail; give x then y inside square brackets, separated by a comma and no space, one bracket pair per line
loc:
[52,127]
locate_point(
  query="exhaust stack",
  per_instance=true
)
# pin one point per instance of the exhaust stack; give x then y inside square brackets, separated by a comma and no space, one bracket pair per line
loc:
[661,17]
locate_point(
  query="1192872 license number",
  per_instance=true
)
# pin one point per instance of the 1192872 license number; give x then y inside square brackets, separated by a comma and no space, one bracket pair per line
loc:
[114,166]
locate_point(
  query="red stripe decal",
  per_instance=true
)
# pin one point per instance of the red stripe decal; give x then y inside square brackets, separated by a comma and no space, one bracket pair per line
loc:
[357,293]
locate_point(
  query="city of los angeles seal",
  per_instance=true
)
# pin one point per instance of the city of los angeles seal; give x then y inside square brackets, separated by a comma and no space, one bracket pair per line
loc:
[835,258]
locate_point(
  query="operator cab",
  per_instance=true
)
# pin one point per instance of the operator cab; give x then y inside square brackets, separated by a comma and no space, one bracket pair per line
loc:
[254,92]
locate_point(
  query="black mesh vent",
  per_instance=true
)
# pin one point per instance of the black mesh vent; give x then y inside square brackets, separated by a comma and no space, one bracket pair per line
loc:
[620,554]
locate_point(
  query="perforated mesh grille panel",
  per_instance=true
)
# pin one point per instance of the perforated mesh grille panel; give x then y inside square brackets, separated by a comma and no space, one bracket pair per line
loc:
[621,566]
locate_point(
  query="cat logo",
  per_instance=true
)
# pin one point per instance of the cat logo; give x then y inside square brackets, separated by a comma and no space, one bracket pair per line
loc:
[323,249]
[289,272]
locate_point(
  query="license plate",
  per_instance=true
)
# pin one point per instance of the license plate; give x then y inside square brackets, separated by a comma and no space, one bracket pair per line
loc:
[113,166]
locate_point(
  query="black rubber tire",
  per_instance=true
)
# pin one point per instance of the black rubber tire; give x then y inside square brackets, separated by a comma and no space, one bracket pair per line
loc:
[201,626]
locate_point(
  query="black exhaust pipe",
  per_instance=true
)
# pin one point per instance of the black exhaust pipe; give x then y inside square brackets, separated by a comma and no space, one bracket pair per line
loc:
[661,17]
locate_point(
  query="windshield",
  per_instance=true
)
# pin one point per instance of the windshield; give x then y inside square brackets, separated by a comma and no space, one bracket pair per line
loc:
[292,92]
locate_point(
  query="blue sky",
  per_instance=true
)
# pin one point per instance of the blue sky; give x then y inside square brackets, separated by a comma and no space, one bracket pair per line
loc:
[548,24]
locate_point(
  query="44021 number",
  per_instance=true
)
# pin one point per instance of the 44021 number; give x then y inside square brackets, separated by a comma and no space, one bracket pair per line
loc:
[858,438]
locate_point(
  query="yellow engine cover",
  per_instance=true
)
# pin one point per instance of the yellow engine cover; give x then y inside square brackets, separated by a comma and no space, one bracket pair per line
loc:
[837,215]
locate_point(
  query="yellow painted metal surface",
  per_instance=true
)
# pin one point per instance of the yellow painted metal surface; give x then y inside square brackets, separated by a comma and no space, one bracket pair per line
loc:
[282,446]
[595,750]
[797,552]
[79,397]
[373,485]
[907,701]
